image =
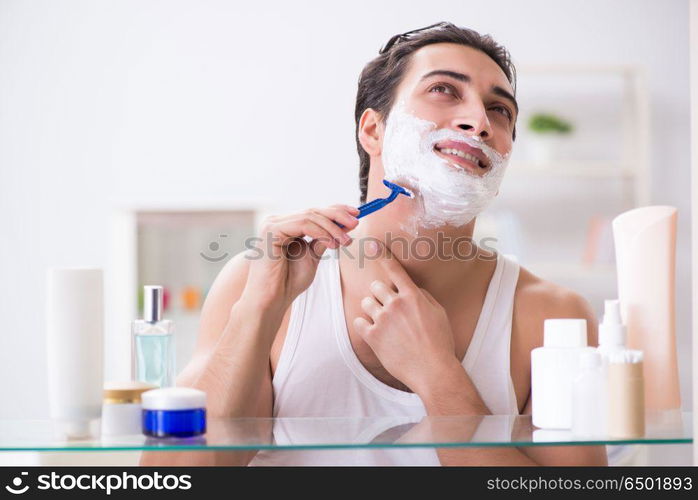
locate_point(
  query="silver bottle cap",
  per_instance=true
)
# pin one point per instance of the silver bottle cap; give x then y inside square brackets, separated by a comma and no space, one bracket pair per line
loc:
[152,303]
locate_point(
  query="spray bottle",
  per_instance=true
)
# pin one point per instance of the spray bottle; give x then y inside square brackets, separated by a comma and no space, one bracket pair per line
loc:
[612,332]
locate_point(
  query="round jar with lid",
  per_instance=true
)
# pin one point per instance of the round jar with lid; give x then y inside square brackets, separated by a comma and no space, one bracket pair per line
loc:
[121,409]
[174,412]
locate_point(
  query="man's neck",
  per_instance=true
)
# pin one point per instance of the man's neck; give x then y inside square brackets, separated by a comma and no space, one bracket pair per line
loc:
[438,260]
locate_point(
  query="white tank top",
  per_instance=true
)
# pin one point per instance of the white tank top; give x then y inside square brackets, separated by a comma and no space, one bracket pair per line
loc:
[319,375]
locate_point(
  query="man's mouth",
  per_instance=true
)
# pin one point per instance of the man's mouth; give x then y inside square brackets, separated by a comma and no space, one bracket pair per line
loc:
[463,156]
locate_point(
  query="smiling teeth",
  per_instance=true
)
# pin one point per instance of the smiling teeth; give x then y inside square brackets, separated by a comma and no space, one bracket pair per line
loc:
[462,154]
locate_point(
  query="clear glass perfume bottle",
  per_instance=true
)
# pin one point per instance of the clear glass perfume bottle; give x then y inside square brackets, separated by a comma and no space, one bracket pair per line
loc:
[153,343]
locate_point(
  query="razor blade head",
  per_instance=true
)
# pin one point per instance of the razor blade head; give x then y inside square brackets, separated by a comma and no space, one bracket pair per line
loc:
[399,189]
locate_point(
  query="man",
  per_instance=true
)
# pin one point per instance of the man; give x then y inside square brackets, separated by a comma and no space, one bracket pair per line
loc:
[286,332]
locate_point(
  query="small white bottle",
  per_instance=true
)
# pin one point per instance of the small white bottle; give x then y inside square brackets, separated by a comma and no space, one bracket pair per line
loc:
[611,331]
[153,344]
[589,399]
[553,370]
[612,335]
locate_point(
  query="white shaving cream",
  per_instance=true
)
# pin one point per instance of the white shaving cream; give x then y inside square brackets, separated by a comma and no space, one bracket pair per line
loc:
[446,193]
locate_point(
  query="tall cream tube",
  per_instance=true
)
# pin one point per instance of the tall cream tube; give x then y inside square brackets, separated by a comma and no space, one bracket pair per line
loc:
[645,241]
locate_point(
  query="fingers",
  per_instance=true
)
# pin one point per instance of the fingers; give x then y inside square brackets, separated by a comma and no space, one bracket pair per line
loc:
[292,230]
[382,292]
[396,273]
[325,217]
[371,307]
[384,295]
[316,223]
[344,214]
[337,233]
[280,233]
[318,247]
[362,327]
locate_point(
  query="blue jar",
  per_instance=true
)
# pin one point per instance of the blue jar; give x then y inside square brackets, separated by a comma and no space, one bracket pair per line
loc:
[177,412]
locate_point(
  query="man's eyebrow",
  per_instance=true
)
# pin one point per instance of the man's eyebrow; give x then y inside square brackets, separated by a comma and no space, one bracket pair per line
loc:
[445,72]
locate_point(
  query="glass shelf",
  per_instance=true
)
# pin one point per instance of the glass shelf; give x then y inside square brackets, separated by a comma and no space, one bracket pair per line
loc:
[666,427]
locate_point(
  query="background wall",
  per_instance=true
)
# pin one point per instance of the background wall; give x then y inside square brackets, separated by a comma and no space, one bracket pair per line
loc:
[187,102]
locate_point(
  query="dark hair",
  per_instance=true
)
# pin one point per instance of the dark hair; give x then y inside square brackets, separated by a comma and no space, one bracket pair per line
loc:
[382,75]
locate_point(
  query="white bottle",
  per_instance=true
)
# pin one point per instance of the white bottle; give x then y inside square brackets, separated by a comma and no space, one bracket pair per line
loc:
[74,344]
[612,339]
[589,397]
[553,370]
[612,335]
[611,331]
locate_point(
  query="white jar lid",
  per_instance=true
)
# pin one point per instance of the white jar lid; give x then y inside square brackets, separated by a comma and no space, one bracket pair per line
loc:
[565,332]
[173,398]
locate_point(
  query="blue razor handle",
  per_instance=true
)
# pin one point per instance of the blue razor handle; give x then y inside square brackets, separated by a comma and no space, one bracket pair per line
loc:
[379,203]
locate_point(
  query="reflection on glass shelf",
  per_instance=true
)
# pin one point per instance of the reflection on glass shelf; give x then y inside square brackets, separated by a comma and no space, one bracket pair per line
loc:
[667,427]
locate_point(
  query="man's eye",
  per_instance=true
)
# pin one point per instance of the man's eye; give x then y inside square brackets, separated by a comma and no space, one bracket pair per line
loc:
[503,110]
[443,89]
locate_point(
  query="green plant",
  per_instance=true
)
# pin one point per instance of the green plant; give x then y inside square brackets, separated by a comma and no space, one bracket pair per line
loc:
[543,123]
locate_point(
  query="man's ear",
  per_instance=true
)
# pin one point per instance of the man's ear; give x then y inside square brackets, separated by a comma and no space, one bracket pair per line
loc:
[370,131]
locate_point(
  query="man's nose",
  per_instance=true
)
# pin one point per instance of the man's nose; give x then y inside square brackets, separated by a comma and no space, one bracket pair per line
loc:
[474,120]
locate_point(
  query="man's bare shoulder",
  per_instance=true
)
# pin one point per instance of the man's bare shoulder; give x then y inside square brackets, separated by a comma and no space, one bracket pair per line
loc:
[224,293]
[537,299]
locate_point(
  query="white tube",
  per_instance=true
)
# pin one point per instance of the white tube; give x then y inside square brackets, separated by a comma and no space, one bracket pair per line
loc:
[74,343]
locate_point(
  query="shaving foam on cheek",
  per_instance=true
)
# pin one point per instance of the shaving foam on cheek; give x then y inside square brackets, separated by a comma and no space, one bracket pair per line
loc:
[446,194]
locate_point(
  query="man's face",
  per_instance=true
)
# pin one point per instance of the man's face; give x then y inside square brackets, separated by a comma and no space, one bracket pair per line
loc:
[462,89]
